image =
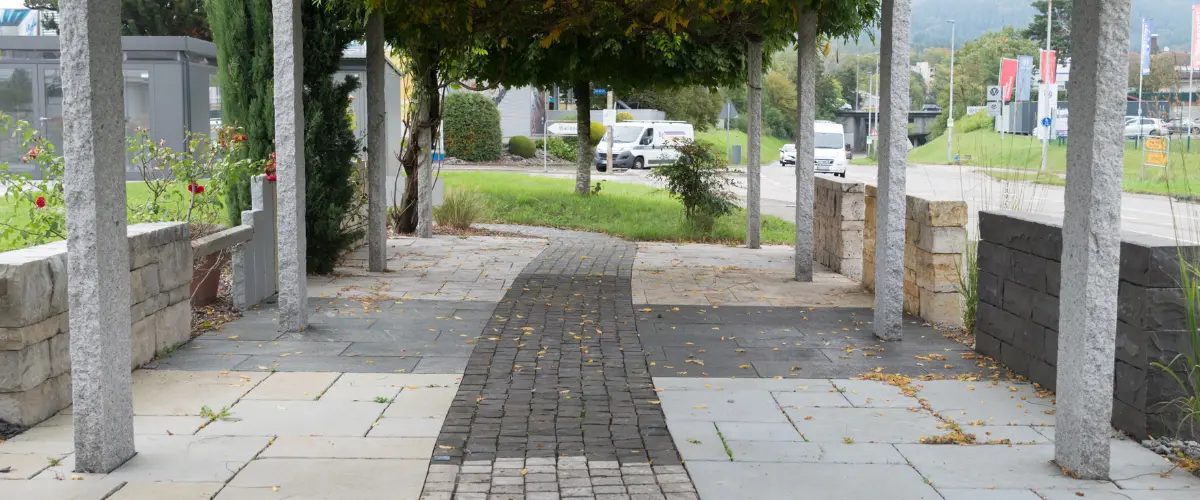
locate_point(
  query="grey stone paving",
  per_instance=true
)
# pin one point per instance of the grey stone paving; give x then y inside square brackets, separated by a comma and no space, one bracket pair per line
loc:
[365,335]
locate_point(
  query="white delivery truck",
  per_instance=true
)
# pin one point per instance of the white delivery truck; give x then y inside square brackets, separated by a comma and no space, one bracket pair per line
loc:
[643,144]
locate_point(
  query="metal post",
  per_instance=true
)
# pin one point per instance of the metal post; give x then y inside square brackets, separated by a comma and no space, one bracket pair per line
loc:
[950,120]
[1046,86]
[1191,89]
[856,89]
[611,100]
[546,135]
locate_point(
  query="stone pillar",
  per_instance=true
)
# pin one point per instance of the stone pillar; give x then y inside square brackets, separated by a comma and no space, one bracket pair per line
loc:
[289,158]
[754,48]
[893,150]
[806,98]
[98,289]
[377,148]
[425,169]
[1091,237]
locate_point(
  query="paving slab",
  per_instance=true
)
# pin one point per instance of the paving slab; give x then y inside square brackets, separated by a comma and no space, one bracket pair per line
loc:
[1006,434]
[60,490]
[718,480]
[820,397]
[297,386]
[1133,467]
[1117,495]
[296,418]
[864,425]
[327,364]
[698,440]
[732,384]
[189,459]
[726,406]
[992,467]
[874,394]
[349,447]
[164,491]
[758,431]
[861,453]
[24,465]
[406,427]
[774,451]
[158,392]
[1005,403]
[421,402]
[327,479]
[984,494]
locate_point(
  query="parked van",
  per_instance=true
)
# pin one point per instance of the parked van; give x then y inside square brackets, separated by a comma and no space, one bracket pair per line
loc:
[643,144]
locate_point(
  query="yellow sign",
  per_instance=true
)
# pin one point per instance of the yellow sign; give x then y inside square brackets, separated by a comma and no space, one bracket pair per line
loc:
[1156,144]
[1155,158]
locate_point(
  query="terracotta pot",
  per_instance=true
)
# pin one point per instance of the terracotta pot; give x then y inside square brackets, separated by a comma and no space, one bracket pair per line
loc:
[206,278]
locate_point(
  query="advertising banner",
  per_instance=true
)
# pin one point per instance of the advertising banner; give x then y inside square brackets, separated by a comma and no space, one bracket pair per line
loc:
[1195,37]
[1024,76]
[1008,75]
[1049,66]
[1146,32]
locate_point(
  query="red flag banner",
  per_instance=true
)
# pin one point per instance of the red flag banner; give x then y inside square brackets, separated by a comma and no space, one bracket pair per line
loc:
[1008,76]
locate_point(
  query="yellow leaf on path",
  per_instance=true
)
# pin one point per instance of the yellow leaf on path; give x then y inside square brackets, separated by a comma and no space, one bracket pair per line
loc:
[224,372]
[700,407]
[414,387]
[647,309]
[233,337]
[744,367]
[274,488]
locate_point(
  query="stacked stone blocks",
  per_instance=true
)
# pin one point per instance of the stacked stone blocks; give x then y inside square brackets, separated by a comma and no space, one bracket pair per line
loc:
[35,363]
[839,213]
[935,240]
[1019,265]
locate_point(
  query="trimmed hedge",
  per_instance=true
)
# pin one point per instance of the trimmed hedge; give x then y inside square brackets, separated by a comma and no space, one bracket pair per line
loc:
[560,149]
[521,146]
[472,127]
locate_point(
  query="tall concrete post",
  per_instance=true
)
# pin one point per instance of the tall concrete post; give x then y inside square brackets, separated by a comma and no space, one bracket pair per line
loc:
[97,248]
[754,49]
[806,98]
[377,152]
[1091,236]
[893,151]
[425,169]
[288,39]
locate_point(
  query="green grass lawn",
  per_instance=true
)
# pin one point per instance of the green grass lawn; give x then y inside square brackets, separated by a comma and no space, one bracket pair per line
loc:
[988,149]
[630,211]
[769,150]
[135,192]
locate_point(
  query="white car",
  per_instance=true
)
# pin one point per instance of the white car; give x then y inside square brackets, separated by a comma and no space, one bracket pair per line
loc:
[1149,126]
[787,155]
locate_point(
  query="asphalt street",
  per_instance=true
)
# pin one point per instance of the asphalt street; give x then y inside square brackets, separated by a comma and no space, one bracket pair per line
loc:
[1145,214]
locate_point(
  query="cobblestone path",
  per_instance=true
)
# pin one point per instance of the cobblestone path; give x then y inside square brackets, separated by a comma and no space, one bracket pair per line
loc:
[557,399]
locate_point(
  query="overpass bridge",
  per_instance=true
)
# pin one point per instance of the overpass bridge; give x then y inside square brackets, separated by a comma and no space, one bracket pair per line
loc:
[855,123]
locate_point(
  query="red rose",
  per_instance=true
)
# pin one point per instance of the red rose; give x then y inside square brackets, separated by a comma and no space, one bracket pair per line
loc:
[271,177]
[191,187]
[199,189]
[33,152]
[40,202]
[239,138]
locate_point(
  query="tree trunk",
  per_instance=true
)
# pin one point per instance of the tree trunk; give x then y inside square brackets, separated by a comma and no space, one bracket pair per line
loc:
[411,159]
[429,116]
[583,120]
[754,49]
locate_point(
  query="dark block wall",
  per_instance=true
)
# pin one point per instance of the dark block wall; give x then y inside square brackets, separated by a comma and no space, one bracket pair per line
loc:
[1017,318]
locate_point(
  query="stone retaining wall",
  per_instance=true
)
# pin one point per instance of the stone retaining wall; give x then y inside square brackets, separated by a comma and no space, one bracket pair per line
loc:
[935,239]
[35,362]
[839,210]
[1019,280]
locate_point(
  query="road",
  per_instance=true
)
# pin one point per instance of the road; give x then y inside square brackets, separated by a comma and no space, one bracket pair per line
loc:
[1143,214]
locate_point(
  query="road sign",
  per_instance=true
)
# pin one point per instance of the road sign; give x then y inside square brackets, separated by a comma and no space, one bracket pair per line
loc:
[949,123]
[1156,159]
[1155,144]
[599,91]
[993,107]
[994,92]
[562,128]
[1046,121]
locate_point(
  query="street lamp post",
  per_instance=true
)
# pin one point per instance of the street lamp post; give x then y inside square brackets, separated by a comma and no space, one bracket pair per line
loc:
[1046,88]
[950,119]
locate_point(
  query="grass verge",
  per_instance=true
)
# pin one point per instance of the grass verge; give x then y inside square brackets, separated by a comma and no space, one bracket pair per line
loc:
[769,150]
[135,192]
[630,211]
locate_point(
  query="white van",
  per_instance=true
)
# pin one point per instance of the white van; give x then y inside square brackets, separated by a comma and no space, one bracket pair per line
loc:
[830,153]
[643,144]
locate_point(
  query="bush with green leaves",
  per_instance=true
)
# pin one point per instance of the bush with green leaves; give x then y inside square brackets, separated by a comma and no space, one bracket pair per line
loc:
[597,132]
[624,116]
[699,179]
[559,148]
[460,209]
[472,127]
[522,146]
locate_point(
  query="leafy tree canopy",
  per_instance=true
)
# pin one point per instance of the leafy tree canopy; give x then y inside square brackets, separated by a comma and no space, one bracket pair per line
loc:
[148,17]
[1060,32]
